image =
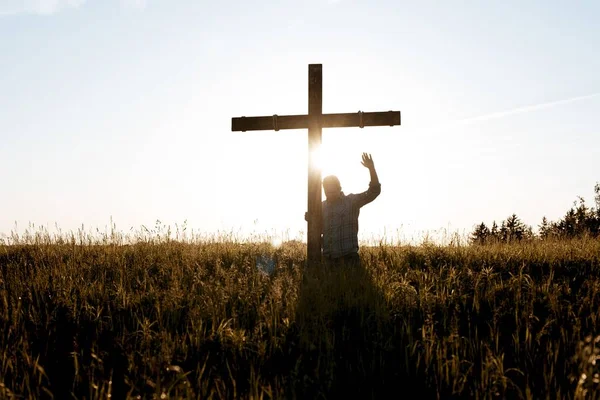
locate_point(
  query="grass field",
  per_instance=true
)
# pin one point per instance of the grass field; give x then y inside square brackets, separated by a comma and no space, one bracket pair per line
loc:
[84,318]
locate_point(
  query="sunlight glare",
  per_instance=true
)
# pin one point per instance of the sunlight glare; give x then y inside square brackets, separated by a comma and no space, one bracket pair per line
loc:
[316,158]
[339,157]
[276,242]
[324,159]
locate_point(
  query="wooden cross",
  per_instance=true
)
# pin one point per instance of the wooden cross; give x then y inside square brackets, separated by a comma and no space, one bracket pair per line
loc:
[314,122]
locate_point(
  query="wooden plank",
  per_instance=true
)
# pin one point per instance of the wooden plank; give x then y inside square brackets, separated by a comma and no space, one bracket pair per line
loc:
[315,111]
[243,124]
[345,120]
[349,120]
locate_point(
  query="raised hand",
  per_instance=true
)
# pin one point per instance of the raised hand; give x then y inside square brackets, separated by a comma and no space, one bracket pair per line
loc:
[367,161]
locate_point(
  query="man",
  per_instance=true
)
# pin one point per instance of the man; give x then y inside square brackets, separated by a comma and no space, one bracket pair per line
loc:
[340,213]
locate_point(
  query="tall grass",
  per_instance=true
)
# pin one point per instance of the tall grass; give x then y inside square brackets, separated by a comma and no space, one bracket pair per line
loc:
[85,316]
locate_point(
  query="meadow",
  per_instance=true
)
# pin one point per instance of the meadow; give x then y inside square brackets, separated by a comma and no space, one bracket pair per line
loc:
[87,317]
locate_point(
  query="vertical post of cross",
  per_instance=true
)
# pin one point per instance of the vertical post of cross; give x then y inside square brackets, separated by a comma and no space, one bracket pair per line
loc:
[315,124]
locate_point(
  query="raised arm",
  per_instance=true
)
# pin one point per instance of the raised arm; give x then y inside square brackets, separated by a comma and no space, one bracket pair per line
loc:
[374,186]
[367,162]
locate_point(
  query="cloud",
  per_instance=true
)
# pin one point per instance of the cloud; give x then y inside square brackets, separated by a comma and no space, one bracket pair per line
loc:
[526,109]
[43,7]
[501,114]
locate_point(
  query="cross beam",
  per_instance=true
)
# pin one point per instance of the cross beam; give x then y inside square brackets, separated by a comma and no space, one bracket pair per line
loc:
[348,120]
[314,121]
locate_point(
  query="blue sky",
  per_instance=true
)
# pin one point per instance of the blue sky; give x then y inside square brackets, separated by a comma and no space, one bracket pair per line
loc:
[123,109]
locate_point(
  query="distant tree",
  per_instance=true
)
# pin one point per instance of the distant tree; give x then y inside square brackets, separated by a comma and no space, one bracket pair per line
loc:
[583,218]
[593,215]
[566,226]
[597,199]
[528,232]
[481,234]
[494,234]
[513,229]
[579,220]
[545,229]
[502,232]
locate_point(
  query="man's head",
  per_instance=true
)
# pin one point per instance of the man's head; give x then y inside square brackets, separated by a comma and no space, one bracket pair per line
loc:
[332,187]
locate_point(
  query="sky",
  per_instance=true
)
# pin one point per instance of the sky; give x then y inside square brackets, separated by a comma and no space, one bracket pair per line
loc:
[118,112]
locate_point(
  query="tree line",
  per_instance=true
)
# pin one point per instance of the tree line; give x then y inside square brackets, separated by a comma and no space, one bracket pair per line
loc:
[580,220]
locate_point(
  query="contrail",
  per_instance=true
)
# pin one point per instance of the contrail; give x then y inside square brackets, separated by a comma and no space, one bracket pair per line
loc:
[526,109]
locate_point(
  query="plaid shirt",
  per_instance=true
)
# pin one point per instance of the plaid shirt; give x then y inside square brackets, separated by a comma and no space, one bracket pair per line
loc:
[340,222]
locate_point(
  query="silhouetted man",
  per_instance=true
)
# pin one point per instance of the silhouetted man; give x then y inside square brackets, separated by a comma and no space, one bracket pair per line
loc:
[339,241]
